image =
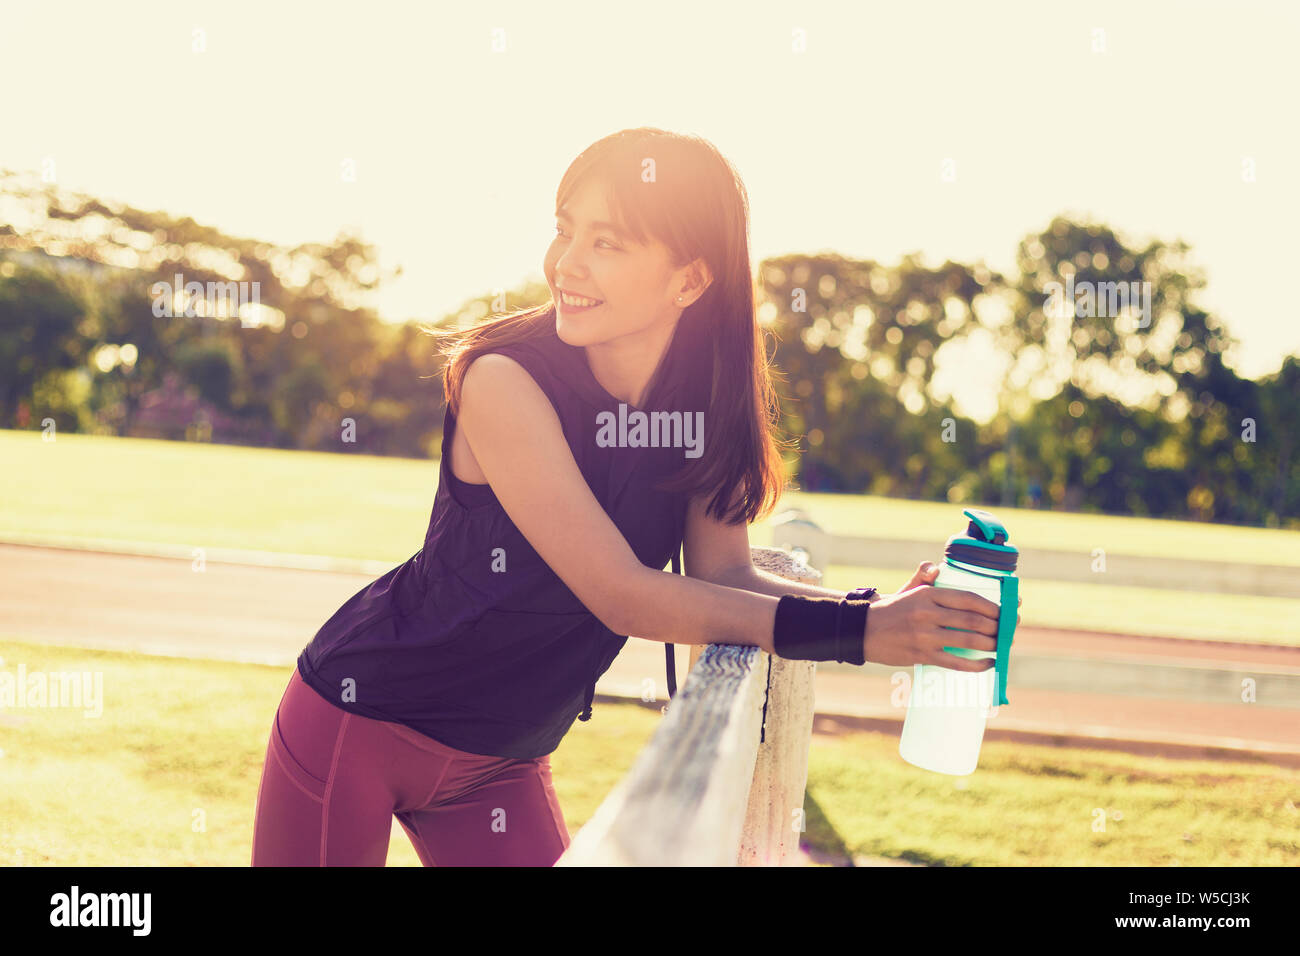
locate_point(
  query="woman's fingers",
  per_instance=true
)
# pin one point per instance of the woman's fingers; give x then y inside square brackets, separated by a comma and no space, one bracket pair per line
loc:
[976,642]
[969,621]
[965,601]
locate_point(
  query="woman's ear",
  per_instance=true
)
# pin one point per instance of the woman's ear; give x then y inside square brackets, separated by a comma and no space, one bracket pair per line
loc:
[698,277]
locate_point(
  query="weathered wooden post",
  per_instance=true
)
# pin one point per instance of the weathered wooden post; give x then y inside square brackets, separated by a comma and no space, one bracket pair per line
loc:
[774,818]
[722,780]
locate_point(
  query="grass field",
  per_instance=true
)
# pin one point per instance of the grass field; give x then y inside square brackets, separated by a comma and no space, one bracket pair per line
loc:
[168,775]
[366,507]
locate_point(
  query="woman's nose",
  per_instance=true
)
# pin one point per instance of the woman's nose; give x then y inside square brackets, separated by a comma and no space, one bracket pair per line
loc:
[570,265]
[566,267]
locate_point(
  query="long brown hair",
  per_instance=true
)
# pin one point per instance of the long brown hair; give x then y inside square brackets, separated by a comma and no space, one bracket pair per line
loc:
[698,209]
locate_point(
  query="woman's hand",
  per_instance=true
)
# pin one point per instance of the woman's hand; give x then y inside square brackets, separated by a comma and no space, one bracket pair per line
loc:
[913,625]
[925,573]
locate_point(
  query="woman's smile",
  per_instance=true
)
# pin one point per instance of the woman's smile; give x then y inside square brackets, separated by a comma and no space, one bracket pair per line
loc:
[564,306]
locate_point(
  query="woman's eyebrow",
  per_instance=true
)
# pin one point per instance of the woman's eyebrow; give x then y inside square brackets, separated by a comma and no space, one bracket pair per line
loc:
[598,223]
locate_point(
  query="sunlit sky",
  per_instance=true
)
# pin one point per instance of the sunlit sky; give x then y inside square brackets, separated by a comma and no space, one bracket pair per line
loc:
[459,120]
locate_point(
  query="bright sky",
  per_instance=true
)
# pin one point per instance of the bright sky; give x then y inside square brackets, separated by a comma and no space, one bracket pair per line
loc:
[459,120]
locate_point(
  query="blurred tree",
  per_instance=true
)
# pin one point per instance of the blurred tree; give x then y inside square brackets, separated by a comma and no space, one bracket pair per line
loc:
[40,318]
[213,367]
[1113,332]
[856,349]
[1276,463]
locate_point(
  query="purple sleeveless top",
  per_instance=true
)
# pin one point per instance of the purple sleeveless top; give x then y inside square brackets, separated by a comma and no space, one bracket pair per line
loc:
[474,640]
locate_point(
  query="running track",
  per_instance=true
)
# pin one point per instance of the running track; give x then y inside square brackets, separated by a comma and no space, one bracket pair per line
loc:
[164,606]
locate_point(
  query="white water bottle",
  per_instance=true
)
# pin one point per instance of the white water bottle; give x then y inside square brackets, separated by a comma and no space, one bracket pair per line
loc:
[947,709]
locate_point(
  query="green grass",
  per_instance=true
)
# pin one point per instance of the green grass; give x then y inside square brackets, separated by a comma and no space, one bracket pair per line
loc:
[216,496]
[369,507]
[1036,806]
[364,506]
[178,736]
[1124,610]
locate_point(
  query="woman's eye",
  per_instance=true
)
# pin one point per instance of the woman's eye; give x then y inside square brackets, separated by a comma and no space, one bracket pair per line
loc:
[559,231]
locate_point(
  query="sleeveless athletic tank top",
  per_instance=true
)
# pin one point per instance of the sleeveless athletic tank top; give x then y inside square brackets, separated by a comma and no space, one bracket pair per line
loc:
[474,640]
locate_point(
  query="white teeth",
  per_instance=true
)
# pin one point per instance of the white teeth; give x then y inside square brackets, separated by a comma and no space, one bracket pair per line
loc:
[577,302]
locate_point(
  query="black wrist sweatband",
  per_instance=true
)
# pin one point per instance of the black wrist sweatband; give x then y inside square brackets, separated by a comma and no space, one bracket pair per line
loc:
[820,629]
[861,594]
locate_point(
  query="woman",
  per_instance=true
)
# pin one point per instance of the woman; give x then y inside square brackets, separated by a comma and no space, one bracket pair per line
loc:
[437,693]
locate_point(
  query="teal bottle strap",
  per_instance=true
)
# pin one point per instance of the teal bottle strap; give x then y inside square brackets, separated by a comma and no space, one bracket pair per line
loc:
[1006,631]
[1008,601]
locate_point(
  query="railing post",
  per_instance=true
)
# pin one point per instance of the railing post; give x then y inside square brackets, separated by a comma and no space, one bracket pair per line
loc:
[774,818]
[806,541]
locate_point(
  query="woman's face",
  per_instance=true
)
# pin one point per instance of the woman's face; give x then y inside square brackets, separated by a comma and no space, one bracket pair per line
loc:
[635,284]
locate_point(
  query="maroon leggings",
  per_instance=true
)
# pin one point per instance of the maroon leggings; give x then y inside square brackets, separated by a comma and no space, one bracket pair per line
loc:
[332,782]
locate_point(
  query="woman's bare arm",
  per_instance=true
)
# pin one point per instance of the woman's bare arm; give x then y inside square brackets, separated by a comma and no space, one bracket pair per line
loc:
[516,438]
[720,553]
[755,579]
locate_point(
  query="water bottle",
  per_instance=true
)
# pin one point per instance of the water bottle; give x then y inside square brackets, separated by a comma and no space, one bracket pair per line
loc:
[947,710]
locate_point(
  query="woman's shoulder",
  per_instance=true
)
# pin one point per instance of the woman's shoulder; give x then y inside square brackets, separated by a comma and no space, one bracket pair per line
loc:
[537,354]
[558,369]
[506,368]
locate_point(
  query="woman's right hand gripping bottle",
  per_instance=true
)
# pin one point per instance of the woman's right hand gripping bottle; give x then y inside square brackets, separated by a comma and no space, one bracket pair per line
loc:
[947,710]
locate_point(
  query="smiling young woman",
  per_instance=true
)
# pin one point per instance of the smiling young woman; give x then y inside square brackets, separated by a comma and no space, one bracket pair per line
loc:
[437,693]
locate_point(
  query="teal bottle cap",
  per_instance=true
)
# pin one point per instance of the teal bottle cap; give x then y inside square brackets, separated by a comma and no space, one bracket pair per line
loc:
[985,526]
[985,543]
